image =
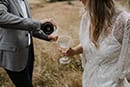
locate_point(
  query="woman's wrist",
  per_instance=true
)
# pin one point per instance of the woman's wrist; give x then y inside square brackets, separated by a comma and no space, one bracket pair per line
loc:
[77,50]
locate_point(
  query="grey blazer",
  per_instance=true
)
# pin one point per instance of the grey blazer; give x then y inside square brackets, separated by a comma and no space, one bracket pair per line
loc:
[13,35]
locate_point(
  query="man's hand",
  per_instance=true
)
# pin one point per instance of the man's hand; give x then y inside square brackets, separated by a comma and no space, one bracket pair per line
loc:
[53,37]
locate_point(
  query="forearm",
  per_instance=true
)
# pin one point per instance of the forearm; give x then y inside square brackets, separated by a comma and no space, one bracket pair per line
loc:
[11,21]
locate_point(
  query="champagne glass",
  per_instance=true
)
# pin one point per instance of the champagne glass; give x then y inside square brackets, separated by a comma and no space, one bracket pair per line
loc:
[64,42]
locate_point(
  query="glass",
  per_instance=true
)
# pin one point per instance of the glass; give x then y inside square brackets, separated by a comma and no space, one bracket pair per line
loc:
[64,42]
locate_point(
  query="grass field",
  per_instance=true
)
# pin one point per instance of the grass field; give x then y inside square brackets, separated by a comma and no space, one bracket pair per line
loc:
[47,71]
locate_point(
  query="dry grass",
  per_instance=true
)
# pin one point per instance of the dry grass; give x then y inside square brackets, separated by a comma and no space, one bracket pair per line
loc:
[47,71]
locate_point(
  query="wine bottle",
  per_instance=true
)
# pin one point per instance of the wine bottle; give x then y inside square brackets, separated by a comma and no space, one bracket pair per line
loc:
[47,28]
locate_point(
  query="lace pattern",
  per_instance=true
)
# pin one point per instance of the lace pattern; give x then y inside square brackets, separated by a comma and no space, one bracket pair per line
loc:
[109,63]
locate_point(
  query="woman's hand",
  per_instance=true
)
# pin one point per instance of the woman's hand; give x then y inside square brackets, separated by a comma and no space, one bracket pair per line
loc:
[72,51]
[67,52]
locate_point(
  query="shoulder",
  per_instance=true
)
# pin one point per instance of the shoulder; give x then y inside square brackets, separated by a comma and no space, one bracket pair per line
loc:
[85,16]
[84,23]
[126,18]
[84,20]
[123,20]
[122,23]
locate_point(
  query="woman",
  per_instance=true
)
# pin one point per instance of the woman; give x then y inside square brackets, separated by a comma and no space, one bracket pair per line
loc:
[104,37]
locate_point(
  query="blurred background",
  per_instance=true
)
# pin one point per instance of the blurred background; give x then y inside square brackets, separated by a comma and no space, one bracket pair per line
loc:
[48,72]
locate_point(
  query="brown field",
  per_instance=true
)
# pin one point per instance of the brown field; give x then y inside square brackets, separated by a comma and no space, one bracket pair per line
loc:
[47,71]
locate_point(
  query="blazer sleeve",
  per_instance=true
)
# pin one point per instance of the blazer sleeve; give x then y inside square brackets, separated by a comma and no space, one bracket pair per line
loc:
[40,35]
[12,21]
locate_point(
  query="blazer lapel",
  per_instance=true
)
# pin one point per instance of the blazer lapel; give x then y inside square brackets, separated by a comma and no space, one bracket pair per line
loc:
[18,7]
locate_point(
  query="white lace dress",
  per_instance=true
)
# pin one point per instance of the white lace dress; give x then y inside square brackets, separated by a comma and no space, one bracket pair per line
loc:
[109,65]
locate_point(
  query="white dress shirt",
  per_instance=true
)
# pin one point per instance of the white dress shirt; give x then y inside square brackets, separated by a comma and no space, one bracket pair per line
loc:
[24,10]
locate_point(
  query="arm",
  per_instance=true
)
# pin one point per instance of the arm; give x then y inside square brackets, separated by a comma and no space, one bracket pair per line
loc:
[127,60]
[11,21]
[42,34]
[124,61]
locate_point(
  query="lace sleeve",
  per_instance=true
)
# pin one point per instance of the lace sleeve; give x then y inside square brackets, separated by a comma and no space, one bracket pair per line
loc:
[83,23]
[119,29]
[82,34]
[127,46]
[124,61]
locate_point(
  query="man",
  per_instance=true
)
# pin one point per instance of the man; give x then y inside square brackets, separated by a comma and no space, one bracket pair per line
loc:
[16,46]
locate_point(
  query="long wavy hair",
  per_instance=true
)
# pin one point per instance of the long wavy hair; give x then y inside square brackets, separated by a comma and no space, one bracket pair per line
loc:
[101,13]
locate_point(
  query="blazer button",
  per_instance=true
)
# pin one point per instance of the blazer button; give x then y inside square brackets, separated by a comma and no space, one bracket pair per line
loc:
[27,46]
[26,35]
